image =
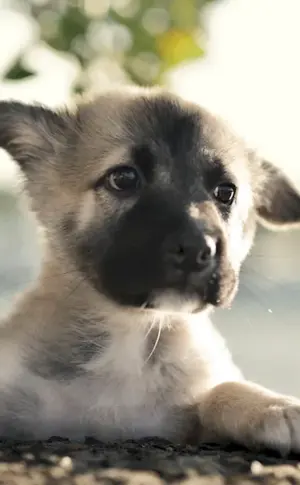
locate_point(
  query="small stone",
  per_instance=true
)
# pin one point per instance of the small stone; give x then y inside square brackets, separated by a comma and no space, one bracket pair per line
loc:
[28,456]
[66,463]
[57,472]
[256,468]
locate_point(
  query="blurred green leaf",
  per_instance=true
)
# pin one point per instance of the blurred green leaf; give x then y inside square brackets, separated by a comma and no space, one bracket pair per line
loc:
[18,72]
[72,24]
[183,14]
[176,46]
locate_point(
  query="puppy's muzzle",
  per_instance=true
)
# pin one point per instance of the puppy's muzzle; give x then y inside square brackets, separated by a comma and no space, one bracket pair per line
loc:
[190,258]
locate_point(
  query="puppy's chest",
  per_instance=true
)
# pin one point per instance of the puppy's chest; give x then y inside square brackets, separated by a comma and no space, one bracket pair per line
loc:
[124,393]
[133,387]
[136,374]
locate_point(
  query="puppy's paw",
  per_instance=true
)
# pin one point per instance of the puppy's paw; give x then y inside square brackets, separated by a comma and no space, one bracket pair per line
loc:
[252,416]
[277,427]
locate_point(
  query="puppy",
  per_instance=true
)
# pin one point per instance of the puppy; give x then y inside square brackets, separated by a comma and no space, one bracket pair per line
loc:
[149,206]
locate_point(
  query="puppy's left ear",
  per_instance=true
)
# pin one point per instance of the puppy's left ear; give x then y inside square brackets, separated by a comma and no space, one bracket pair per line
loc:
[277,201]
[32,134]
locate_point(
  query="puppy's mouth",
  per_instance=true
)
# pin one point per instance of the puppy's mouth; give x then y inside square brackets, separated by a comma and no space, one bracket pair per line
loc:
[189,293]
[186,299]
[171,301]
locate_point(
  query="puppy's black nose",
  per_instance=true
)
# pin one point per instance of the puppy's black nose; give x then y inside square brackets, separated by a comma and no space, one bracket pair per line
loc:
[188,254]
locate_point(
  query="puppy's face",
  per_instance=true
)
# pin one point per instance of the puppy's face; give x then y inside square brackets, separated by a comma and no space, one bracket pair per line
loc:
[153,199]
[169,210]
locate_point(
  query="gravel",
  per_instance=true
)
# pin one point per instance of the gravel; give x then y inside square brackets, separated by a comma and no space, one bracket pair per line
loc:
[144,462]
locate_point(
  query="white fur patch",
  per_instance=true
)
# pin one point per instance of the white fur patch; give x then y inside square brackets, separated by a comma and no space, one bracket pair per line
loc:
[170,301]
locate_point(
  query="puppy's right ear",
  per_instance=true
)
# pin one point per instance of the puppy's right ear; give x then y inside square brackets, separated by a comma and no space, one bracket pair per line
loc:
[278,203]
[32,134]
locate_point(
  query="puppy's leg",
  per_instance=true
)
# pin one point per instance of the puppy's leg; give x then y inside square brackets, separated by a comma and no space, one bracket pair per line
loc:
[251,415]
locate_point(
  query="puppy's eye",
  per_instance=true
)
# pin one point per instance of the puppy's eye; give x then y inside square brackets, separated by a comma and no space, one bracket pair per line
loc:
[123,179]
[225,193]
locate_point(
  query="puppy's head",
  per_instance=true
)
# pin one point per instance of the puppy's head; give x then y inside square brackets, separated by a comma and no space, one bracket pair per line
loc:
[153,199]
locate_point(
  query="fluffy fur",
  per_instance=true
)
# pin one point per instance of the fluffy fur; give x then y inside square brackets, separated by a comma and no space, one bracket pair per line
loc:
[114,339]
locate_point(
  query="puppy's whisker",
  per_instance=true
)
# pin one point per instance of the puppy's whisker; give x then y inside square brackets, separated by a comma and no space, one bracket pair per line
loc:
[149,329]
[155,343]
[59,275]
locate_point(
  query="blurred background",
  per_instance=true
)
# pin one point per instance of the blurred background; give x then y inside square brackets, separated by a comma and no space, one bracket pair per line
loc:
[240,59]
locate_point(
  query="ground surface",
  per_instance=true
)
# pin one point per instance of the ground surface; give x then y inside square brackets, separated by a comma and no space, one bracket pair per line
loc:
[147,462]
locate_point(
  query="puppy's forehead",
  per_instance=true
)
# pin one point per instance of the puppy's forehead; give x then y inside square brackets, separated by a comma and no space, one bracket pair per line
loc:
[164,121]
[182,131]
[178,124]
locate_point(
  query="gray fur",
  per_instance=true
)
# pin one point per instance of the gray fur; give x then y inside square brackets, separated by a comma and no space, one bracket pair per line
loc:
[62,358]
[19,408]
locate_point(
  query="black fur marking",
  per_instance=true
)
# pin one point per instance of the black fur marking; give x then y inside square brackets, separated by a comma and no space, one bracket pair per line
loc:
[143,158]
[169,122]
[62,359]
[68,225]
